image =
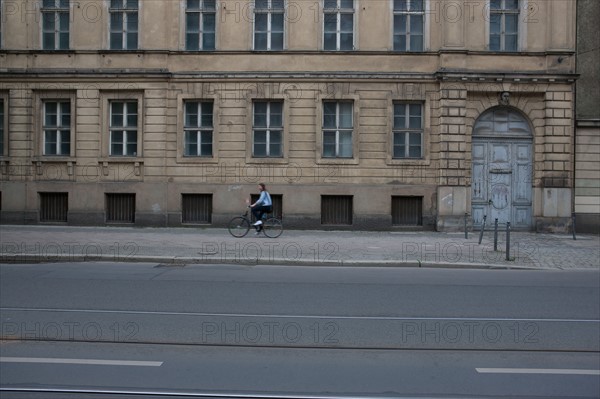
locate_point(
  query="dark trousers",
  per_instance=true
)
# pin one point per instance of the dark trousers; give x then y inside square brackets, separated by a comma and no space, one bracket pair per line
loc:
[259,210]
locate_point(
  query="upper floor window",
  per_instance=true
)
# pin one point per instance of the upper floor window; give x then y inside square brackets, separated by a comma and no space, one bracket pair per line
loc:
[338,25]
[123,128]
[504,25]
[1,127]
[268,24]
[337,129]
[55,24]
[57,128]
[200,17]
[198,129]
[409,18]
[408,131]
[267,129]
[124,24]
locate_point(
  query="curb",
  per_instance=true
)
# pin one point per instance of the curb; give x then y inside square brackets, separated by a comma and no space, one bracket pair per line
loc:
[175,261]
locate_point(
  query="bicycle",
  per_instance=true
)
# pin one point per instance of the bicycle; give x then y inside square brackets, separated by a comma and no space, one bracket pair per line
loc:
[239,226]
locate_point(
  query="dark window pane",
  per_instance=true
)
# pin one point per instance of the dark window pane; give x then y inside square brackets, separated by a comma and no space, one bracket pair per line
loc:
[495,42]
[208,41]
[209,22]
[346,41]
[400,5]
[132,41]
[329,4]
[260,41]
[192,41]
[192,22]
[347,4]
[400,24]
[193,4]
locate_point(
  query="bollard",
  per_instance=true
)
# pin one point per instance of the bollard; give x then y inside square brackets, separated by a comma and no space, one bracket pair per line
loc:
[507,240]
[482,228]
[495,234]
[466,231]
[573,221]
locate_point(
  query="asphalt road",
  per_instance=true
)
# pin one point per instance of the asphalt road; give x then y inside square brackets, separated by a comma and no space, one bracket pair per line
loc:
[268,331]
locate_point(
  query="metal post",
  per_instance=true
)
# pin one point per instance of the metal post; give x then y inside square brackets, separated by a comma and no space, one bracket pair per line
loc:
[573,220]
[507,240]
[466,231]
[482,228]
[495,234]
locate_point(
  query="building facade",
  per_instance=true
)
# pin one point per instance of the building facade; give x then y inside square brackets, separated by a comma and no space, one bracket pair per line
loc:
[587,140]
[361,114]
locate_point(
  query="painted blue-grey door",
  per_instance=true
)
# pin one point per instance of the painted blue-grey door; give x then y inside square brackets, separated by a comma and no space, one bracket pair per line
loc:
[502,169]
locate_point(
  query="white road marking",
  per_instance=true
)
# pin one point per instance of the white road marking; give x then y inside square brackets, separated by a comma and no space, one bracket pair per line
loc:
[537,371]
[99,362]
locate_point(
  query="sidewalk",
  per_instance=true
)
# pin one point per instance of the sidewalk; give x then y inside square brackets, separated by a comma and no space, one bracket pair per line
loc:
[178,246]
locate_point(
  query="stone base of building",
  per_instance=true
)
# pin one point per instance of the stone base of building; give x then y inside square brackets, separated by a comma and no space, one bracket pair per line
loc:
[559,225]
[587,223]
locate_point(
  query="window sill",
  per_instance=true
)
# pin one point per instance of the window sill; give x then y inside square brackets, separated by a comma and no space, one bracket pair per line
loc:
[40,160]
[137,164]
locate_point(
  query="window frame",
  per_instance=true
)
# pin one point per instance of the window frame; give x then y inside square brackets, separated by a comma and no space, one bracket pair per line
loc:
[425,99]
[4,125]
[199,130]
[181,158]
[40,99]
[407,131]
[107,97]
[125,128]
[338,12]
[423,13]
[268,129]
[59,128]
[56,10]
[257,93]
[184,26]
[520,25]
[124,10]
[270,11]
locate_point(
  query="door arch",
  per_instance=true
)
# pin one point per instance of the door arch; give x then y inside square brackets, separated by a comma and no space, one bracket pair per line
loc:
[502,155]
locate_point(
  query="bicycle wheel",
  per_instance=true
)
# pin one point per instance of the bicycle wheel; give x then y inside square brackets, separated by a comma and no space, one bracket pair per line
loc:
[239,226]
[273,227]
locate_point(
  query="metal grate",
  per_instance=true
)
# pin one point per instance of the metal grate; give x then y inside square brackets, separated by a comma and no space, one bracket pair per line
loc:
[54,207]
[336,209]
[120,208]
[277,200]
[407,211]
[196,208]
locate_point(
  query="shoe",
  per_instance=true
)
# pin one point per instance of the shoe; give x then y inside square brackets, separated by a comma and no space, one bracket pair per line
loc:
[258,223]
[257,232]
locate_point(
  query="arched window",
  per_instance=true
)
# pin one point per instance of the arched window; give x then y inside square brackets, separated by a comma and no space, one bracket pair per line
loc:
[502,122]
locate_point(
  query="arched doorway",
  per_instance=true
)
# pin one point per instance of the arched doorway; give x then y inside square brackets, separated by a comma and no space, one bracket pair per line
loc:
[502,168]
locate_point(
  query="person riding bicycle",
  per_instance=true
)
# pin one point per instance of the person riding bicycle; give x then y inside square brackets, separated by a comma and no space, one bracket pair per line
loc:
[262,205]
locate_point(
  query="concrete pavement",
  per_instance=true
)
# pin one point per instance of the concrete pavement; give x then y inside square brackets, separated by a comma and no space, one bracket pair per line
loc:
[45,243]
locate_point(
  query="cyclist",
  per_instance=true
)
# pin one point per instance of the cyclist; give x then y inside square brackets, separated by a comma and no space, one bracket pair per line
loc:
[262,205]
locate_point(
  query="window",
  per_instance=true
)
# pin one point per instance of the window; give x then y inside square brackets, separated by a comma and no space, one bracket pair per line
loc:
[57,128]
[267,129]
[407,211]
[54,207]
[1,127]
[408,25]
[196,208]
[338,25]
[336,209]
[268,24]
[120,208]
[504,25]
[337,129]
[200,16]
[123,128]
[198,129]
[123,24]
[55,24]
[408,131]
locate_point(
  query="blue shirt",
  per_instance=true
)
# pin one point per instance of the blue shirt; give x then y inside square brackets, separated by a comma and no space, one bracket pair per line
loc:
[264,199]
